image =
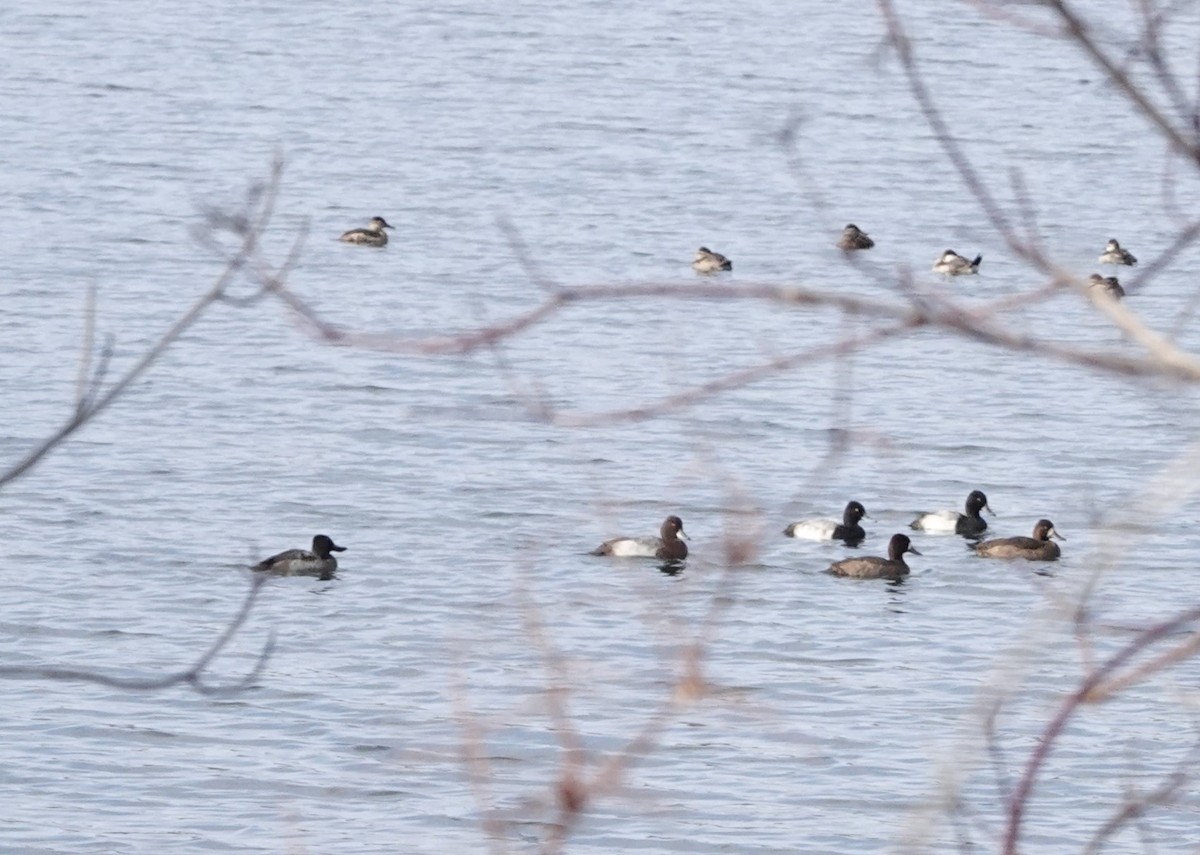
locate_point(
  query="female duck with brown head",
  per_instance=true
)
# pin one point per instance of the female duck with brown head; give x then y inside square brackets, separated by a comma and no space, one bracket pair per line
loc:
[873,567]
[670,544]
[854,238]
[1109,285]
[1036,548]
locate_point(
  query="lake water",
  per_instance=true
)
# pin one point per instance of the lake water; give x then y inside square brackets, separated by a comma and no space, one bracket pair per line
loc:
[411,692]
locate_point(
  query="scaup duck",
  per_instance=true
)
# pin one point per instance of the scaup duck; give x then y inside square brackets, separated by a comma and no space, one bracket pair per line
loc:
[873,567]
[1036,548]
[668,545]
[304,562]
[952,522]
[1106,284]
[372,235]
[707,261]
[1114,254]
[830,529]
[854,238]
[953,264]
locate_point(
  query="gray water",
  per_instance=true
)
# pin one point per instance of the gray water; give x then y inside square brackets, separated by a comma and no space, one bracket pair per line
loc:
[615,139]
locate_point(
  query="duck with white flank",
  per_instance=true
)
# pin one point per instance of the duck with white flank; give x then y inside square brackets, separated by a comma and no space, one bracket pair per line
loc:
[707,261]
[372,235]
[670,544]
[953,264]
[847,530]
[1115,254]
[952,522]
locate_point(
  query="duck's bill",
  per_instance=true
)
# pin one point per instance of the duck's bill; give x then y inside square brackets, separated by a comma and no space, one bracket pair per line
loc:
[914,550]
[1054,534]
[682,535]
[338,548]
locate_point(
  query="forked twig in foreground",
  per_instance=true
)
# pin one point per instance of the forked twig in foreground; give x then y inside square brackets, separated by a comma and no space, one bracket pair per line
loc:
[192,676]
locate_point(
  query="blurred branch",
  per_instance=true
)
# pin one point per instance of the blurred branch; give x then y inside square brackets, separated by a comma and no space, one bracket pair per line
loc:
[1079,31]
[92,398]
[1084,693]
[192,676]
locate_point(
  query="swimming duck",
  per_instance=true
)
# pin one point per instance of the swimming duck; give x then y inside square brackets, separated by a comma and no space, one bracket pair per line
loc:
[854,238]
[1036,548]
[952,522]
[953,264]
[873,567]
[1114,254]
[829,529]
[303,562]
[708,261]
[372,235]
[1108,284]
[668,545]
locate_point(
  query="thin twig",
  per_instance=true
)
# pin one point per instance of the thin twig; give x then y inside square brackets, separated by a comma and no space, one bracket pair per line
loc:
[192,676]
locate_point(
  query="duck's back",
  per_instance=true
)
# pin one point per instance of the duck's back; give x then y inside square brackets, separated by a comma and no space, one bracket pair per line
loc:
[296,562]
[869,567]
[1019,547]
[370,237]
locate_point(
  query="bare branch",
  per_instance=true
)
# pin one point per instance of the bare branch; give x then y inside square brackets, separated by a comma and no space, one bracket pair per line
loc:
[1054,729]
[192,676]
[1081,33]
[92,402]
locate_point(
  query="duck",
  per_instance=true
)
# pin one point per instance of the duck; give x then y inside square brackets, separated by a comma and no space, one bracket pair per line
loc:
[873,567]
[707,261]
[1036,548]
[1114,254]
[829,529]
[372,235]
[304,562]
[953,264]
[952,522]
[854,238]
[669,544]
[1106,285]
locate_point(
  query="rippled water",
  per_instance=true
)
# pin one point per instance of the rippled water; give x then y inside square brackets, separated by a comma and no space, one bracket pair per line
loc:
[614,138]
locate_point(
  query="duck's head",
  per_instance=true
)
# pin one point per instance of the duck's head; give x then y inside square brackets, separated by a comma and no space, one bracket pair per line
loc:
[899,545]
[672,528]
[1044,530]
[977,502]
[323,544]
